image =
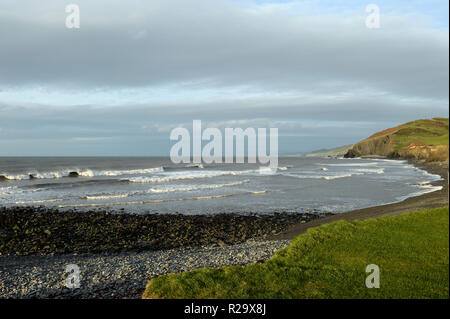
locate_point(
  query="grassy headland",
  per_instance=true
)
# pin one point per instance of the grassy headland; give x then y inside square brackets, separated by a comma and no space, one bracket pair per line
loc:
[412,251]
[422,139]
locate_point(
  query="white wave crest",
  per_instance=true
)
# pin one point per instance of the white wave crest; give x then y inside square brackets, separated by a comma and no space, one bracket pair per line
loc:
[99,197]
[194,187]
[39,201]
[81,172]
[329,177]
[368,170]
[259,192]
[130,172]
[188,175]
[15,177]
[336,176]
[352,164]
[425,190]
[154,201]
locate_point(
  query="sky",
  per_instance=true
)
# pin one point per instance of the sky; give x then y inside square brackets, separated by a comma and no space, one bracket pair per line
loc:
[135,70]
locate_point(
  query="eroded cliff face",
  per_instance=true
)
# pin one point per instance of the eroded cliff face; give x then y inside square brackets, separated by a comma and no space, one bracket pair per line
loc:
[380,145]
[384,146]
[429,153]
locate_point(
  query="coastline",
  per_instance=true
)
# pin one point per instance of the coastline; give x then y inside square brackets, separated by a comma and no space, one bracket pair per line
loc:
[114,273]
[425,201]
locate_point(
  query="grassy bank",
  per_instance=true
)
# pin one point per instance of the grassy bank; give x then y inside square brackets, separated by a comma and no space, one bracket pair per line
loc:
[429,132]
[411,250]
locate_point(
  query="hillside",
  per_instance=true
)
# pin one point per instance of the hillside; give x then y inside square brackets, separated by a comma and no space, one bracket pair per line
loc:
[422,139]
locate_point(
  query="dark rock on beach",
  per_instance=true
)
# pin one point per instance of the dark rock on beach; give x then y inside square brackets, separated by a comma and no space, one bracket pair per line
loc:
[394,155]
[350,154]
[38,230]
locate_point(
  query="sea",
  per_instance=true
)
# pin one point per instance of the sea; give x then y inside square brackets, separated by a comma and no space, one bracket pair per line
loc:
[156,185]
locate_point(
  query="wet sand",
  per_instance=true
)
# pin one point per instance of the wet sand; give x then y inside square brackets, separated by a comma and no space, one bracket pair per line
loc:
[426,201]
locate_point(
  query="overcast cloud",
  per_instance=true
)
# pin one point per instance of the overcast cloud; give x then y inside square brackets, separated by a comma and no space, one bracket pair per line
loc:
[135,69]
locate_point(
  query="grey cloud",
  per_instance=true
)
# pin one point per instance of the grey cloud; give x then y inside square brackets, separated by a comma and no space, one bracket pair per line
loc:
[325,77]
[350,120]
[222,45]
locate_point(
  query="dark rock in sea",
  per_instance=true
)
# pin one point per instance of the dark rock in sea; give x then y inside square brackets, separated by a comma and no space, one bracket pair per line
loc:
[3,178]
[31,176]
[394,155]
[74,174]
[350,154]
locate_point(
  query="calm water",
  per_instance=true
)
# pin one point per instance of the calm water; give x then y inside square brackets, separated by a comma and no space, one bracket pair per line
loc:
[157,185]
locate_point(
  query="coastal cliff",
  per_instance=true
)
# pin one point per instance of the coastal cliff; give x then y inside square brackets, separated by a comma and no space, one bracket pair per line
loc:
[426,140]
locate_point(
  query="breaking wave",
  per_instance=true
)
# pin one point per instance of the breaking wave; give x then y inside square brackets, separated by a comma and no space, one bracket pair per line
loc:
[154,201]
[329,177]
[99,197]
[337,176]
[351,164]
[369,170]
[188,175]
[194,187]
[425,189]
[79,172]
[42,201]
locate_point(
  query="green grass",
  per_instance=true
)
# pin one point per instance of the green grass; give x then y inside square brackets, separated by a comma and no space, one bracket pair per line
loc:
[412,251]
[432,131]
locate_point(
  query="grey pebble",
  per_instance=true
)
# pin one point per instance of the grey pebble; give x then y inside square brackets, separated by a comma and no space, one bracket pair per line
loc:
[120,275]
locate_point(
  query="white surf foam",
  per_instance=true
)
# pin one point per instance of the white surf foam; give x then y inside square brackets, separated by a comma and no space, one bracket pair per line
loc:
[42,201]
[368,170]
[328,177]
[82,173]
[15,177]
[350,164]
[336,176]
[101,197]
[9,190]
[259,192]
[130,172]
[425,189]
[153,201]
[174,176]
[194,187]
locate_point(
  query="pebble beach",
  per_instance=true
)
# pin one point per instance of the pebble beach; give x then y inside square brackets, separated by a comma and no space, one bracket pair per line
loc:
[121,275]
[118,253]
